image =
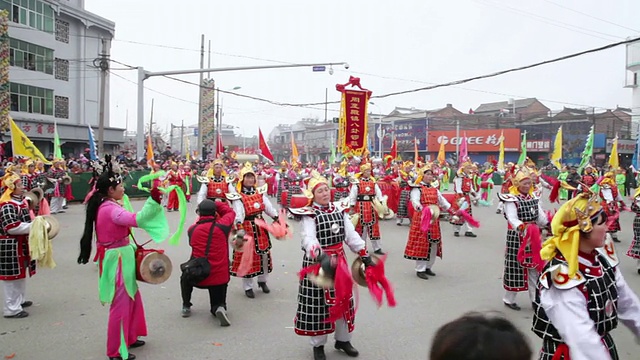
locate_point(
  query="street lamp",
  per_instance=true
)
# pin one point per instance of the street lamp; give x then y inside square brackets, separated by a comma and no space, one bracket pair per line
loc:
[144,75]
[219,116]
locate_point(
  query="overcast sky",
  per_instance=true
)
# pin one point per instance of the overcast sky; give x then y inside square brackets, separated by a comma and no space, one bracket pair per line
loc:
[391,45]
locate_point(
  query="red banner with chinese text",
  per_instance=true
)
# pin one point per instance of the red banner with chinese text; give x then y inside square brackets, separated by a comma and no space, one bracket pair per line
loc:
[352,133]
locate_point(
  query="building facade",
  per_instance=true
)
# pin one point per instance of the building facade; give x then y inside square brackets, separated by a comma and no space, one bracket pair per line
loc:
[53,76]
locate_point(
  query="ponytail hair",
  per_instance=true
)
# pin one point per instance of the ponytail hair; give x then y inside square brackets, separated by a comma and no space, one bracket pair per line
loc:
[87,236]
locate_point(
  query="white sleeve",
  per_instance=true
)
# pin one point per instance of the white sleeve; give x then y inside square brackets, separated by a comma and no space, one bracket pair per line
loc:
[511,212]
[444,204]
[619,198]
[268,207]
[353,194]
[567,311]
[309,240]
[628,305]
[352,238]
[22,229]
[458,184]
[231,188]
[378,192]
[238,207]
[415,197]
[278,177]
[542,216]
[202,193]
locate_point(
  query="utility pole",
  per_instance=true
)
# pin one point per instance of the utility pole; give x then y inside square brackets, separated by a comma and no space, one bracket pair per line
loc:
[103,65]
[171,134]
[202,146]
[182,137]
[326,101]
[151,125]
[458,141]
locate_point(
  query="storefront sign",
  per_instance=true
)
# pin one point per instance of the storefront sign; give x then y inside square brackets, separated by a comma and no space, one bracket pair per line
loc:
[624,146]
[538,145]
[481,140]
[405,134]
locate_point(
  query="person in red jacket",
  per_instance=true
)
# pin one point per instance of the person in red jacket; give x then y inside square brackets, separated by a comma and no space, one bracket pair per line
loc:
[221,216]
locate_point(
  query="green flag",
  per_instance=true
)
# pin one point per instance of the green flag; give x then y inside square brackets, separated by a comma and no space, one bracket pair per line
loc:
[588,151]
[332,158]
[523,150]
[57,151]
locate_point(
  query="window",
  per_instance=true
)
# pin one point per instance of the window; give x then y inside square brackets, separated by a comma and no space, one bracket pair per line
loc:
[32,13]
[62,31]
[62,107]
[62,69]
[30,56]
[32,99]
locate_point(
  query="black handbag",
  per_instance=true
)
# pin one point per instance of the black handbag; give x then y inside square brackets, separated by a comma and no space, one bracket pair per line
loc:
[197,269]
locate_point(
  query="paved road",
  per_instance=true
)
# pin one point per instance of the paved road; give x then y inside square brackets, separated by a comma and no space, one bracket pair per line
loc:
[68,322]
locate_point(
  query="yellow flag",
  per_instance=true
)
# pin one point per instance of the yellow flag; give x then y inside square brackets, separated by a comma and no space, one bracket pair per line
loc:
[613,158]
[501,155]
[441,154]
[187,150]
[150,156]
[22,146]
[294,150]
[557,150]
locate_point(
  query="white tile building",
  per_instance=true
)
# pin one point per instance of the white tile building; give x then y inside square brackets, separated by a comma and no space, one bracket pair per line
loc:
[53,75]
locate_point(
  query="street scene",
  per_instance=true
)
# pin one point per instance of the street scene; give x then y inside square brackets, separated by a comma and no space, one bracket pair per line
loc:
[449,180]
[69,321]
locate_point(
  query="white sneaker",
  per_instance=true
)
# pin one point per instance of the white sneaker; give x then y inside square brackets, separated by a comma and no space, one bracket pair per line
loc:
[221,314]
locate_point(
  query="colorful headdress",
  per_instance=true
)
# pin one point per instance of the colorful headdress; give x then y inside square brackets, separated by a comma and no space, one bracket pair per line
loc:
[9,183]
[364,167]
[246,169]
[312,182]
[427,167]
[609,178]
[467,165]
[574,216]
[25,166]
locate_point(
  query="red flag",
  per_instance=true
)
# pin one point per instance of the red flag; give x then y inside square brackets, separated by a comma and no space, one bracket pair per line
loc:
[264,147]
[220,149]
[394,149]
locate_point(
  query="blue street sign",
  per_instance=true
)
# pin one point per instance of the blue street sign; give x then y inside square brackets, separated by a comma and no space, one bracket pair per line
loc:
[195,132]
[319,68]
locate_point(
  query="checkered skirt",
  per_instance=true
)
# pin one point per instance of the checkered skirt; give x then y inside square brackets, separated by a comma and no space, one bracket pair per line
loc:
[15,261]
[403,211]
[634,248]
[602,297]
[314,302]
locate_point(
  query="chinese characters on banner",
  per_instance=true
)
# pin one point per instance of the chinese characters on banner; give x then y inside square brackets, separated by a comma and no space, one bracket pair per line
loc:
[539,145]
[36,128]
[208,114]
[352,133]
[478,140]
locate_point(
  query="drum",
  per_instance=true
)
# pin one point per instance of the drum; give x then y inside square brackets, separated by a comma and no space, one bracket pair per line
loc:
[152,266]
[333,194]
[283,198]
[299,201]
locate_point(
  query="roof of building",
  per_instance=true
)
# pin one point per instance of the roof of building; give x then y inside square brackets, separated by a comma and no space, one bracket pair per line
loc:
[497,106]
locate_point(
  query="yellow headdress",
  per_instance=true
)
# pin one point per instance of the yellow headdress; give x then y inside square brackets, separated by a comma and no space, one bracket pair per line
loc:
[465,166]
[427,167]
[364,167]
[214,163]
[609,178]
[25,166]
[407,164]
[246,169]
[343,168]
[520,174]
[573,216]
[313,181]
[9,183]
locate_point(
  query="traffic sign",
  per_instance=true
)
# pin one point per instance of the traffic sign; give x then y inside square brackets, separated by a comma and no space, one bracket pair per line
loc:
[319,68]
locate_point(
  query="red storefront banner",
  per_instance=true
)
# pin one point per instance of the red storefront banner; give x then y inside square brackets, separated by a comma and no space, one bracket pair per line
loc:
[480,140]
[352,130]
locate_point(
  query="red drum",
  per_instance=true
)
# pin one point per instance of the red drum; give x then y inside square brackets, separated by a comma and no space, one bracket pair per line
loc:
[152,266]
[283,198]
[299,201]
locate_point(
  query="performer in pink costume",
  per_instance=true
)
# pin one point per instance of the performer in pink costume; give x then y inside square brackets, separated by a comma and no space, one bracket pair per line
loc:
[116,257]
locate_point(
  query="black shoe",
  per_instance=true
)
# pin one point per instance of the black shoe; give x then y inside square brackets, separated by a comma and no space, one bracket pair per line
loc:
[615,239]
[498,211]
[250,293]
[318,353]
[137,344]
[26,304]
[399,224]
[20,315]
[264,287]
[513,306]
[470,234]
[638,271]
[422,275]
[65,207]
[378,252]
[131,357]
[456,234]
[429,272]
[347,348]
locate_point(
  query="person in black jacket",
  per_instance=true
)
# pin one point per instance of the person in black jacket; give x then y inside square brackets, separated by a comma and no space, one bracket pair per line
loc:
[573,179]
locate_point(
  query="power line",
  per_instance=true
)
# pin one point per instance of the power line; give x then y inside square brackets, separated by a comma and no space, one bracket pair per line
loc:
[153,90]
[591,16]
[552,22]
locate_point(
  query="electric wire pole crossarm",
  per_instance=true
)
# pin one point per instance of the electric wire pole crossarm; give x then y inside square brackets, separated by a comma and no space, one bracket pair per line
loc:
[144,75]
